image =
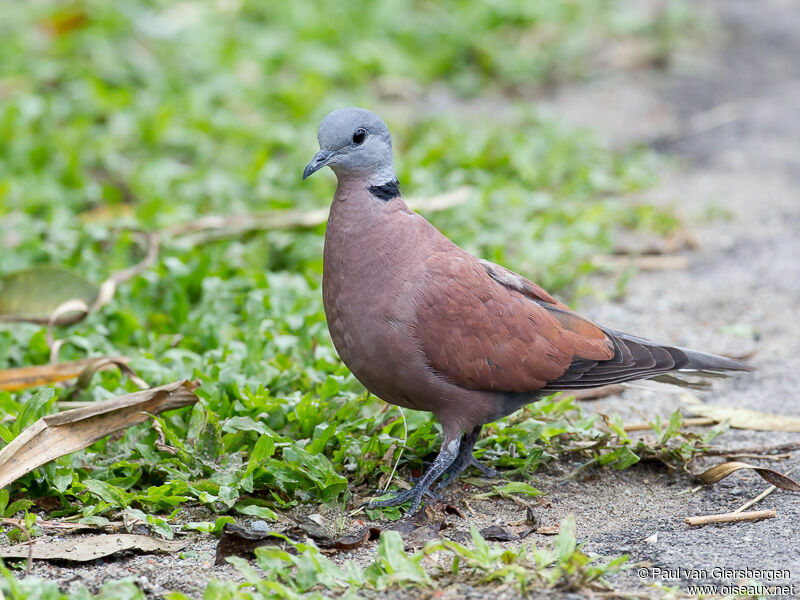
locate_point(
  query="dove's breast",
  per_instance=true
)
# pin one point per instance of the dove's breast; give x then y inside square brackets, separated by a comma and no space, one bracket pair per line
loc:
[373,262]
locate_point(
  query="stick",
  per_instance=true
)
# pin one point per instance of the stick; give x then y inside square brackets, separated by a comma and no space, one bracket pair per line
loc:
[760,497]
[734,517]
[217,226]
[666,262]
[760,456]
[781,449]
[19,523]
[690,422]
[690,491]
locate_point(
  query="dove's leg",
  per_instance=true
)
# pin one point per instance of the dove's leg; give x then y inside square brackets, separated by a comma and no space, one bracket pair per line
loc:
[464,460]
[447,454]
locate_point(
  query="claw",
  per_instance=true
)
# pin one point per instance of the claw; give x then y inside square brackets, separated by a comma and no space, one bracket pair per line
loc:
[487,471]
[447,454]
[394,500]
[451,475]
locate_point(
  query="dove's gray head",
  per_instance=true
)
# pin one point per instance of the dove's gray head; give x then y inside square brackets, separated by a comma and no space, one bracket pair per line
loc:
[354,141]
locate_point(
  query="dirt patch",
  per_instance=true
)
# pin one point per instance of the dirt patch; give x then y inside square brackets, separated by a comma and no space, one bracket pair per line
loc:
[740,294]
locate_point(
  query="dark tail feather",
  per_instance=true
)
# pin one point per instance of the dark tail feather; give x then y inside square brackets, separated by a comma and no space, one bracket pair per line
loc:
[637,358]
[702,361]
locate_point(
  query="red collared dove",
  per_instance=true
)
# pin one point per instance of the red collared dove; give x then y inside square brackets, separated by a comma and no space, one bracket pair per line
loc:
[427,326]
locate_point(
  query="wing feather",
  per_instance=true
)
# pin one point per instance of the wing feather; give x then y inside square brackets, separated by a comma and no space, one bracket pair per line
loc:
[486,328]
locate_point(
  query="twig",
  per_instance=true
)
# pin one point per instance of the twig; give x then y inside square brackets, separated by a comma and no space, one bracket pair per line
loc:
[21,525]
[760,456]
[214,227]
[690,491]
[733,517]
[666,262]
[109,286]
[780,449]
[356,511]
[690,422]
[760,497]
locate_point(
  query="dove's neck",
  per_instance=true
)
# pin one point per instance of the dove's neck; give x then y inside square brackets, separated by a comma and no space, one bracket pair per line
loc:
[361,202]
[373,175]
[368,241]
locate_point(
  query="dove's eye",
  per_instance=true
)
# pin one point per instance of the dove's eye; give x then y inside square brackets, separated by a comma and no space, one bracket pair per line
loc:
[359,135]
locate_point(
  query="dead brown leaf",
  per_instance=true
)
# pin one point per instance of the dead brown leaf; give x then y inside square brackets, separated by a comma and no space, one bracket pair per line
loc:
[721,471]
[56,435]
[21,378]
[235,540]
[344,543]
[103,363]
[420,536]
[497,533]
[64,22]
[548,530]
[91,548]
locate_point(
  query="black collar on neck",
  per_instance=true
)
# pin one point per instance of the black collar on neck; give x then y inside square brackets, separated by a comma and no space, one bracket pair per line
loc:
[386,191]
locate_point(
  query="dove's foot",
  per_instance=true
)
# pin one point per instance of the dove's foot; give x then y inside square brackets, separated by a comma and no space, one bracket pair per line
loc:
[457,468]
[447,455]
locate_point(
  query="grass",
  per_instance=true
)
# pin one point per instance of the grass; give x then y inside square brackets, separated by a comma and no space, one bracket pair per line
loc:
[146,114]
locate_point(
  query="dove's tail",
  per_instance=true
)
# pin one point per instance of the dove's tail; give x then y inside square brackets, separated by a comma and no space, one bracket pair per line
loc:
[638,358]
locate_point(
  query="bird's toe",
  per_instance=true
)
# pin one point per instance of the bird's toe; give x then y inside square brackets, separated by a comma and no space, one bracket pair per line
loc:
[486,471]
[393,500]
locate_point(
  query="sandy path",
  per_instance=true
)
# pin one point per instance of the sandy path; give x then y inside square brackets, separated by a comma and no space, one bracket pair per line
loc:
[740,293]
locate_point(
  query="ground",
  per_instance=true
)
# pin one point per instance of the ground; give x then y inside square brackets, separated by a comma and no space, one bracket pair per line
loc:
[744,279]
[731,119]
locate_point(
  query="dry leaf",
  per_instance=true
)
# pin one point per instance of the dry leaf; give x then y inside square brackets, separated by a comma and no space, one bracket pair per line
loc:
[720,472]
[549,530]
[53,296]
[496,533]
[91,548]
[235,540]
[64,22]
[103,363]
[351,542]
[21,378]
[33,295]
[27,377]
[741,418]
[56,435]
[420,536]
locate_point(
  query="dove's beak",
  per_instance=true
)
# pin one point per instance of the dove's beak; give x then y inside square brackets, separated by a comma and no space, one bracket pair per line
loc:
[321,159]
